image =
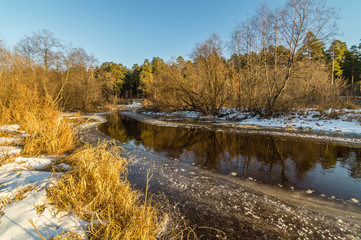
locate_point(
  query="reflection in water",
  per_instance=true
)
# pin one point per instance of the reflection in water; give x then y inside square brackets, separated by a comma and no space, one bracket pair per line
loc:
[328,168]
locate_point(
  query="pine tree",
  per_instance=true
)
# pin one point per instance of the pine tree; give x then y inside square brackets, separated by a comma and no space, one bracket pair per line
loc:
[146,77]
[352,65]
[313,47]
[336,57]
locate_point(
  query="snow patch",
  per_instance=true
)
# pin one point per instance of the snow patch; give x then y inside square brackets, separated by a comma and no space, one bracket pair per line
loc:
[6,140]
[10,128]
[13,181]
[134,104]
[9,150]
[63,166]
[15,224]
[34,163]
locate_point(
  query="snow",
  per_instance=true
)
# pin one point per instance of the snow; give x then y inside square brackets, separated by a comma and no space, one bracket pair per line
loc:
[34,163]
[9,150]
[307,123]
[15,224]
[134,104]
[186,114]
[20,174]
[63,166]
[6,140]
[96,117]
[14,181]
[10,128]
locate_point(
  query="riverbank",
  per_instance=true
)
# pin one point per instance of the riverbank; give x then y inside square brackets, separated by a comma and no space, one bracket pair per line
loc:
[338,126]
[239,209]
[25,208]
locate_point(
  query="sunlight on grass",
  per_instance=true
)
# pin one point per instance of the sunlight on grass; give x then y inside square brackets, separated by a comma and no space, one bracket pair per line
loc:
[97,190]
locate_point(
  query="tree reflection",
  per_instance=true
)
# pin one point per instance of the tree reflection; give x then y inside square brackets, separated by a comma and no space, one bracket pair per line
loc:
[268,159]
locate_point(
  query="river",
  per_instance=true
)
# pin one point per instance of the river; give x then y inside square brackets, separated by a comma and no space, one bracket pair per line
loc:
[324,168]
[236,191]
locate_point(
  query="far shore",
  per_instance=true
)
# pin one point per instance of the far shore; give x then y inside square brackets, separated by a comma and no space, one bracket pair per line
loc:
[237,126]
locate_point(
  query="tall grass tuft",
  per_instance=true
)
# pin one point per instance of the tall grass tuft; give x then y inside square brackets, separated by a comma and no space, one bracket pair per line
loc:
[96,189]
[49,134]
[21,103]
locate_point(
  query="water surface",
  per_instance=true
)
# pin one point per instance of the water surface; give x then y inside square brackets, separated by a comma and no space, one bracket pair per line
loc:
[327,168]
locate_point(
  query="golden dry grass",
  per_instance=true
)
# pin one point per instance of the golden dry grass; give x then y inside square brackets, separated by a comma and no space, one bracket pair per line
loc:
[96,189]
[6,159]
[49,132]
[22,103]
[51,135]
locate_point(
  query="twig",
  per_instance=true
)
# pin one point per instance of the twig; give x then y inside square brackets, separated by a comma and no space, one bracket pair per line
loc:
[32,223]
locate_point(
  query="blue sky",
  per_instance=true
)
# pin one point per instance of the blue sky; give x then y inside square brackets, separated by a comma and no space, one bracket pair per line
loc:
[129,31]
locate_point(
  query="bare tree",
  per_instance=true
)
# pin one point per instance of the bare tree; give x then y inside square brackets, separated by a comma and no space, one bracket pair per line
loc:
[212,75]
[40,46]
[79,88]
[203,84]
[296,20]
[244,46]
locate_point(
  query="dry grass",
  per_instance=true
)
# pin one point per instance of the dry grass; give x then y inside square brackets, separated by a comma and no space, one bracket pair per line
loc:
[49,132]
[97,191]
[4,201]
[22,103]
[6,159]
[50,135]
[7,134]
[68,236]
[21,193]
[110,106]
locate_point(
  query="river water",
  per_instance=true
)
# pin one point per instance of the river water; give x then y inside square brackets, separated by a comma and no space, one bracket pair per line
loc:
[323,168]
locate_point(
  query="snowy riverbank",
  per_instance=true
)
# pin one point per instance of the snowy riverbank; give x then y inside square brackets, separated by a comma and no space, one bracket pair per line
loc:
[23,193]
[337,121]
[339,126]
